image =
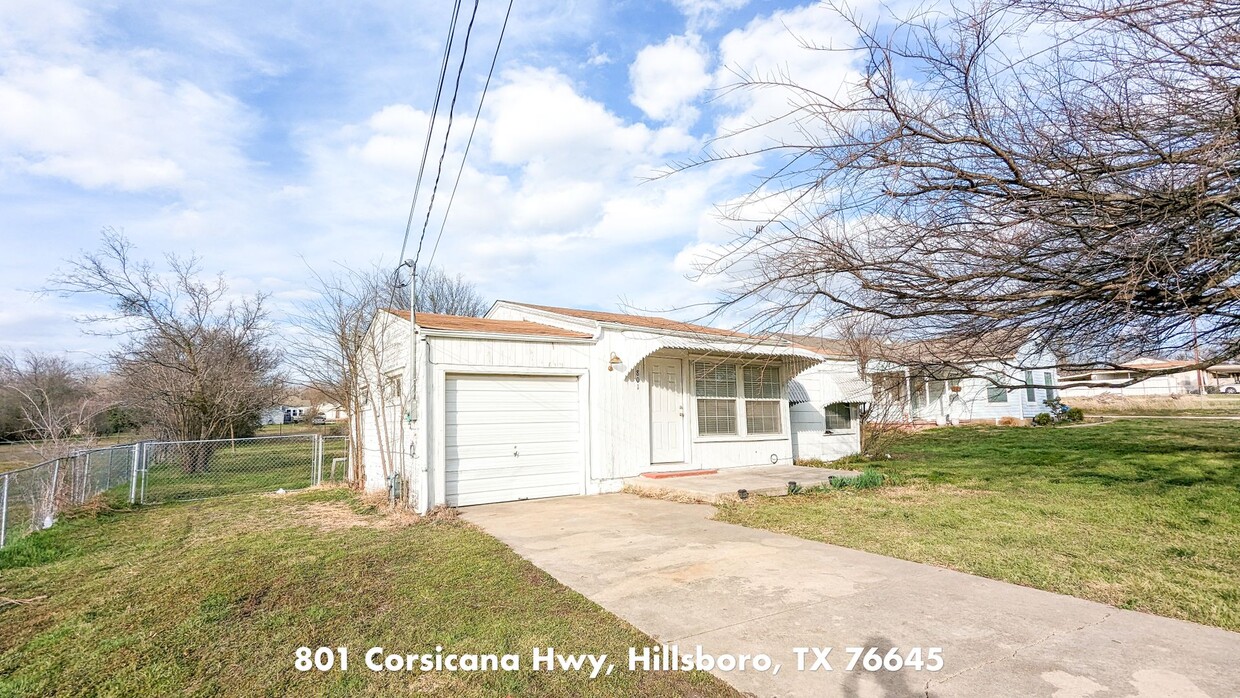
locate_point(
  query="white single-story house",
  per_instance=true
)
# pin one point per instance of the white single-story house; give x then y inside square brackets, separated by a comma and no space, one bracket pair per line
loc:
[1097,381]
[534,401]
[983,382]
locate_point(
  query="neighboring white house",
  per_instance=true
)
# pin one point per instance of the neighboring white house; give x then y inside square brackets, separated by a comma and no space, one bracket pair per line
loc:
[284,414]
[1112,380]
[983,382]
[273,415]
[534,401]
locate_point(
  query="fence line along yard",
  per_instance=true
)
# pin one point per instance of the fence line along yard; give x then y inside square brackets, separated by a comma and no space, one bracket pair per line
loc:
[154,472]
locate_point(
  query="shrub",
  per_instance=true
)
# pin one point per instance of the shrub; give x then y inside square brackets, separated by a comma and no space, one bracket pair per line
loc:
[869,478]
[1042,419]
[1074,414]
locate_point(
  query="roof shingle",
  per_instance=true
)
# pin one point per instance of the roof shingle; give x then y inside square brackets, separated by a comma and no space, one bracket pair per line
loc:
[461,323]
[654,323]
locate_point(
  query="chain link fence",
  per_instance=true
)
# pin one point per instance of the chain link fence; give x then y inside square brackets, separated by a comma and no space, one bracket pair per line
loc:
[32,497]
[155,472]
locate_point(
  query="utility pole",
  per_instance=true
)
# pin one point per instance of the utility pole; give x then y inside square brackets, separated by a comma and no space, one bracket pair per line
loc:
[411,400]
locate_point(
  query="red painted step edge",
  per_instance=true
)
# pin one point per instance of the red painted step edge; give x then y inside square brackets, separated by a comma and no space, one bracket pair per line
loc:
[678,473]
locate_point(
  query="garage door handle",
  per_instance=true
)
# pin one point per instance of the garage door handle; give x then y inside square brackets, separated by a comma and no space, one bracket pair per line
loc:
[515,452]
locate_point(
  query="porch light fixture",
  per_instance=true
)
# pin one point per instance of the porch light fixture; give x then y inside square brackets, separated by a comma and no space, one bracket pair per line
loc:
[613,362]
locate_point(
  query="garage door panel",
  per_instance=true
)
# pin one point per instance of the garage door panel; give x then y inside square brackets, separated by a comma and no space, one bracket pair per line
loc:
[501,417]
[463,457]
[489,417]
[501,494]
[546,472]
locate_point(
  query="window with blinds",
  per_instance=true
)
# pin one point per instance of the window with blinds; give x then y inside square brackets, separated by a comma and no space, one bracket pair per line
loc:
[762,400]
[715,389]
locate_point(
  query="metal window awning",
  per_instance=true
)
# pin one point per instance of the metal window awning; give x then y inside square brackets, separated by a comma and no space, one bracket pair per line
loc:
[796,359]
[837,388]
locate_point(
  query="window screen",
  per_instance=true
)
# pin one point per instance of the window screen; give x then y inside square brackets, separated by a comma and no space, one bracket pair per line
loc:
[1031,393]
[995,393]
[762,416]
[717,380]
[715,387]
[716,416]
[839,417]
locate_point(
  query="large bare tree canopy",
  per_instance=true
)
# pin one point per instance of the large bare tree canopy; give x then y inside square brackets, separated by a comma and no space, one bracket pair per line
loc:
[1062,171]
[195,362]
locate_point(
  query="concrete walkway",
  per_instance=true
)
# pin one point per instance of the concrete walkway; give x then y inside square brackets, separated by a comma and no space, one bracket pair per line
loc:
[768,480]
[685,579]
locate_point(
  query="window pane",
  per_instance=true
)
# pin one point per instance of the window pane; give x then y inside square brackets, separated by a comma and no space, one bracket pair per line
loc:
[839,417]
[714,380]
[762,382]
[762,416]
[993,392]
[1031,393]
[1049,382]
[716,417]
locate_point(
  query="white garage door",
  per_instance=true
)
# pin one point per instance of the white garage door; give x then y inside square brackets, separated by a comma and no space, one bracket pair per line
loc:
[512,437]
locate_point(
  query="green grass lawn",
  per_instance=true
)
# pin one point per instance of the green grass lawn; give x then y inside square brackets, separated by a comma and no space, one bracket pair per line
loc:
[215,597]
[263,465]
[1143,515]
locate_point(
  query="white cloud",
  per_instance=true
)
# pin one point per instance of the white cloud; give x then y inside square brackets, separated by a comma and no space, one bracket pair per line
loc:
[103,118]
[668,77]
[706,14]
[539,121]
[775,47]
[597,56]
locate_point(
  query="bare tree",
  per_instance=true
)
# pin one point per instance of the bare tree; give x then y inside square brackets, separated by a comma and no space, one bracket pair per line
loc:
[56,401]
[1083,195]
[195,364]
[437,292]
[335,352]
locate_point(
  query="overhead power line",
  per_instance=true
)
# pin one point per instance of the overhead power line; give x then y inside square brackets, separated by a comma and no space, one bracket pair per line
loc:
[430,128]
[469,142]
[443,153]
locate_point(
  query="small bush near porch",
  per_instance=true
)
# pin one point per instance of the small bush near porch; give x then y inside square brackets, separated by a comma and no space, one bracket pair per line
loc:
[1141,514]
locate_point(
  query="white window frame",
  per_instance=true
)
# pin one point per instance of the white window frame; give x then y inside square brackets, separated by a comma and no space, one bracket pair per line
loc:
[742,423]
[852,419]
[992,389]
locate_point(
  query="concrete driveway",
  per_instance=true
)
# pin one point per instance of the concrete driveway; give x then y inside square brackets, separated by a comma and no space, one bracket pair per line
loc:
[685,579]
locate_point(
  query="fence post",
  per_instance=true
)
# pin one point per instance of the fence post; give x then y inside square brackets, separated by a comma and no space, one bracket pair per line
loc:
[317,477]
[133,473]
[4,508]
[85,479]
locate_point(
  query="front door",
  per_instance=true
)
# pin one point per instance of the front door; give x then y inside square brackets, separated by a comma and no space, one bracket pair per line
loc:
[667,411]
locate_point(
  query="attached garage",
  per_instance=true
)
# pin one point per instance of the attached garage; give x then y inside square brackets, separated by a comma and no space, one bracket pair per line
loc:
[511,437]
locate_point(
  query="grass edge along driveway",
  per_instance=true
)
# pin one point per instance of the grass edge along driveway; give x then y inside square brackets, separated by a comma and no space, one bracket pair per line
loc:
[215,597]
[1142,515]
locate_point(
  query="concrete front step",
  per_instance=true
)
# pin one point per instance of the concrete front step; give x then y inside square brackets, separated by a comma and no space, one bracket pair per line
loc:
[767,480]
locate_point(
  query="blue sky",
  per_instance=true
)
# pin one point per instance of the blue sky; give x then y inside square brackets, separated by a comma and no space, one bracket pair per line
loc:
[270,136]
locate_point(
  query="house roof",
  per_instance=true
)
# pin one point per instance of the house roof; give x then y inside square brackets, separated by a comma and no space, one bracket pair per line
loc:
[822,345]
[643,321]
[1147,363]
[462,323]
